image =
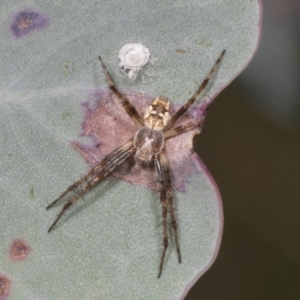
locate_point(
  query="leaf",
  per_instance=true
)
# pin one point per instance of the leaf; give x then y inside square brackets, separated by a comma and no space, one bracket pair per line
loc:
[109,245]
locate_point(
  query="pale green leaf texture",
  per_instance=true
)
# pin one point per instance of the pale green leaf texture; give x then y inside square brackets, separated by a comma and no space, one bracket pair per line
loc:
[109,245]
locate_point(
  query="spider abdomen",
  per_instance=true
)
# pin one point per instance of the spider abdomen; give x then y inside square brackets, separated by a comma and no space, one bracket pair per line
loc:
[157,115]
[148,142]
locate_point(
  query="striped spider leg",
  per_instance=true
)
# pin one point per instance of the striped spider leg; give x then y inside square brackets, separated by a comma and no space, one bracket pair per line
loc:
[96,174]
[148,147]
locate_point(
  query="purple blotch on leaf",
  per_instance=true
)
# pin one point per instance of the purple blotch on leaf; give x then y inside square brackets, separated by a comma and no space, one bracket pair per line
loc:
[108,126]
[4,287]
[19,250]
[25,22]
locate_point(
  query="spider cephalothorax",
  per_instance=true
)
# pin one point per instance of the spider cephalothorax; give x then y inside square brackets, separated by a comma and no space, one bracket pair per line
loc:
[147,146]
[148,142]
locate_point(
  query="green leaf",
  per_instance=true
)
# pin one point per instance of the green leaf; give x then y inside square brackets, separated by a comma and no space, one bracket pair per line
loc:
[108,246]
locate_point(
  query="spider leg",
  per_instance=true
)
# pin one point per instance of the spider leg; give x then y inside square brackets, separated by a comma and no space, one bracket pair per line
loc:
[93,171]
[165,164]
[184,128]
[163,199]
[96,174]
[130,109]
[190,102]
[166,198]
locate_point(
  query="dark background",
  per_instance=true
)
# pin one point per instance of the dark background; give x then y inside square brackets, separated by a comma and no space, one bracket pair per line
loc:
[256,166]
[251,145]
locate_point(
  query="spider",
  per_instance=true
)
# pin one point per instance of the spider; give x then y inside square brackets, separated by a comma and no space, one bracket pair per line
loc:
[147,147]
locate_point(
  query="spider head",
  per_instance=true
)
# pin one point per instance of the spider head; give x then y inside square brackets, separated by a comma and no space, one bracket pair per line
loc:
[157,115]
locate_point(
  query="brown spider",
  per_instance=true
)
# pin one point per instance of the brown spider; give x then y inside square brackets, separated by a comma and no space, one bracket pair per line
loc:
[147,146]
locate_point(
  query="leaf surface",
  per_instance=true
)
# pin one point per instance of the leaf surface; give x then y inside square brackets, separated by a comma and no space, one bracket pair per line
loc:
[109,245]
